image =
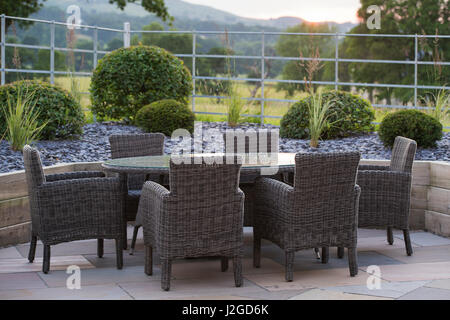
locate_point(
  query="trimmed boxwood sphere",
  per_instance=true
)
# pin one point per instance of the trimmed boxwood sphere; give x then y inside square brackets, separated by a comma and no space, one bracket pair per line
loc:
[412,124]
[57,106]
[127,79]
[352,115]
[165,116]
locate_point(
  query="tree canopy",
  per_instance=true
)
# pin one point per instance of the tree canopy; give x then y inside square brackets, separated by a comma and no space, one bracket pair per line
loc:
[155,6]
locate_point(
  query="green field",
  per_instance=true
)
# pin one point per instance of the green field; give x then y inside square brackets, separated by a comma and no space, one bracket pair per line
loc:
[211,105]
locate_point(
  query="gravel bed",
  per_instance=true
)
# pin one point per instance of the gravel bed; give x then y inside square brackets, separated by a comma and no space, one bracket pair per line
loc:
[93,145]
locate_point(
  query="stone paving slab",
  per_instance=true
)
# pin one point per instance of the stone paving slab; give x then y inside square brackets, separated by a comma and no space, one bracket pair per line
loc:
[10,253]
[427,294]
[439,284]
[308,279]
[420,255]
[416,271]
[222,285]
[388,289]
[106,292]
[425,239]
[101,276]
[380,243]
[56,263]
[322,294]
[29,280]
[306,259]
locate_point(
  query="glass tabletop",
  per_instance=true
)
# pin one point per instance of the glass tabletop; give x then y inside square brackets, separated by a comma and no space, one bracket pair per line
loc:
[250,161]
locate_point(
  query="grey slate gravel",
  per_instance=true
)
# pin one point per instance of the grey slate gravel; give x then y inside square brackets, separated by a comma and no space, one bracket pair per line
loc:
[93,145]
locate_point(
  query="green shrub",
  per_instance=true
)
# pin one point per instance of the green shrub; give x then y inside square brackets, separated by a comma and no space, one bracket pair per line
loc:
[350,115]
[413,124]
[165,116]
[129,78]
[55,106]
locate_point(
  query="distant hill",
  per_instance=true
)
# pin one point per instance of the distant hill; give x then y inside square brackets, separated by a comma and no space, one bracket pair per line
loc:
[184,11]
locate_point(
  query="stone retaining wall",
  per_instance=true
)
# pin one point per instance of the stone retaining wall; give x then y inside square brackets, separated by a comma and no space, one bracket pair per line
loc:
[430,205]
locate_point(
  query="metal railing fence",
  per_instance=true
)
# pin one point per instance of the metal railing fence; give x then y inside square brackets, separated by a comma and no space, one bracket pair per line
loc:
[127,32]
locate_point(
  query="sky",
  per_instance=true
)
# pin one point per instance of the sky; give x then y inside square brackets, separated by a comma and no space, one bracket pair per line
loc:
[310,10]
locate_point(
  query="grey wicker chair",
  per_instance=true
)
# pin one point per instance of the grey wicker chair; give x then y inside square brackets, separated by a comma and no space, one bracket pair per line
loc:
[244,144]
[386,192]
[201,216]
[71,206]
[320,210]
[136,145]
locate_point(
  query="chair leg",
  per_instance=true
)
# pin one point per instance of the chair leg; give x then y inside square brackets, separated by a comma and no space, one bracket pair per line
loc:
[100,243]
[237,270]
[166,270]
[409,250]
[390,236]
[148,260]
[224,263]
[32,251]
[119,254]
[125,237]
[257,252]
[289,266]
[325,254]
[46,262]
[340,252]
[133,241]
[317,252]
[353,261]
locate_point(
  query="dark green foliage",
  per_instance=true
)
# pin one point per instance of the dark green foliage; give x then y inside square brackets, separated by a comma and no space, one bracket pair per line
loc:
[129,78]
[165,116]
[412,124]
[351,115]
[64,115]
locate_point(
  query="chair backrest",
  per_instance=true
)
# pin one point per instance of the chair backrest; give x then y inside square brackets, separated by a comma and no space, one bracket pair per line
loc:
[324,187]
[34,172]
[206,182]
[403,154]
[136,145]
[251,141]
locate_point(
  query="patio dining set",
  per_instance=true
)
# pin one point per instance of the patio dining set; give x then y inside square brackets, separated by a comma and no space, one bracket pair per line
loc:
[198,207]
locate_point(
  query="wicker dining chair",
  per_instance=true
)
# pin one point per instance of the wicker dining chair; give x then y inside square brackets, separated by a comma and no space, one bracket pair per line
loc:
[244,143]
[136,145]
[320,210]
[201,216]
[386,192]
[71,206]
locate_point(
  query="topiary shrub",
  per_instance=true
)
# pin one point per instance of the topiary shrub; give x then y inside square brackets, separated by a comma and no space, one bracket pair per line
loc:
[351,115]
[56,106]
[129,78]
[412,124]
[165,116]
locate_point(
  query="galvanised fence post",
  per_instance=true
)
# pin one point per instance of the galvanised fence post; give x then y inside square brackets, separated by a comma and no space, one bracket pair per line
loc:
[262,76]
[194,73]
[3,39]
[416,54]
[336,65]
[52,53]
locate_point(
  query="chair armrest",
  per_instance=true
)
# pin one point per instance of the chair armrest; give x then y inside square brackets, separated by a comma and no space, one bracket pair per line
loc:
[153,199]
[384,181]
[74,175]
[79,203]
[365,167]
[275,197]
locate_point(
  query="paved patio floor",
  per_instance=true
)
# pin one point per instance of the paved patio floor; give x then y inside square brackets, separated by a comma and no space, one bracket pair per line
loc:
[425,275]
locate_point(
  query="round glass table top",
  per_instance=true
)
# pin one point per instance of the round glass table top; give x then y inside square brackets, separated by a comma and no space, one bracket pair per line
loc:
[250,161]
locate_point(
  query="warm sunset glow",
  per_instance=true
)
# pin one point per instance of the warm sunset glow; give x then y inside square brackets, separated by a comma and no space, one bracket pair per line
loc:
[314,11]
